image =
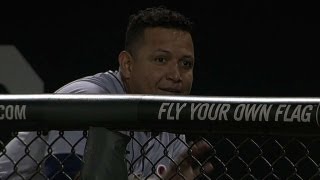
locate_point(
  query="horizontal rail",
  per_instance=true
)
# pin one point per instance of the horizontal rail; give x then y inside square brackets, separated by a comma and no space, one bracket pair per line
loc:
[248,115]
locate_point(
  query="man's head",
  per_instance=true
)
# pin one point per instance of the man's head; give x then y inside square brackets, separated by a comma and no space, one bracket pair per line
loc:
[159,53]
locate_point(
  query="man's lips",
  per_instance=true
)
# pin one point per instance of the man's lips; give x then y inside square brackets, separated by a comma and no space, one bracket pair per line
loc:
[172,90]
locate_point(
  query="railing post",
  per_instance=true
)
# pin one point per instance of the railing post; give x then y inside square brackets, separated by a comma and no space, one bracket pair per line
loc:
[105,155]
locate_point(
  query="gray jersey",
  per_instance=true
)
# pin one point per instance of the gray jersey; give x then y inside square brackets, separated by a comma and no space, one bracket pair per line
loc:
[28,149]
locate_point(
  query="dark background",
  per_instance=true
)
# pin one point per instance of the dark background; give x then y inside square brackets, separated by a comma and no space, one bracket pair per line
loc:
[245,48]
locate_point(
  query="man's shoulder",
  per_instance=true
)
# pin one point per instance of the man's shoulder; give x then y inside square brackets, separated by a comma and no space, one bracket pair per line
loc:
[101,83]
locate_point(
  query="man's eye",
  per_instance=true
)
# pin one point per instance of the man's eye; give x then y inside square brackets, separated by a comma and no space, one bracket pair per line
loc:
[160,60]
[187,63]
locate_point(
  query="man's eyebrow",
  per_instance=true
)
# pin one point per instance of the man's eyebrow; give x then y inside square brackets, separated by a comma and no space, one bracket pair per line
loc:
[162,50]
[188,57]
[168,52]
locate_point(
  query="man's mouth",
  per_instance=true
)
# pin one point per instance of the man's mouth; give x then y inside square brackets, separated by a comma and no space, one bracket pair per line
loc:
[171,90]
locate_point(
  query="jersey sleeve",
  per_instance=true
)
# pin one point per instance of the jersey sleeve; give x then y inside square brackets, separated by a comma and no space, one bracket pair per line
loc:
[24,152]
[180,146]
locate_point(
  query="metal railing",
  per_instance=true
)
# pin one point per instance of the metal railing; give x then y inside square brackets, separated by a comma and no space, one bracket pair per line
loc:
[250,138]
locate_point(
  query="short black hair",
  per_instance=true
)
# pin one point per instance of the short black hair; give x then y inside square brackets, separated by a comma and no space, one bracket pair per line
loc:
[154,17]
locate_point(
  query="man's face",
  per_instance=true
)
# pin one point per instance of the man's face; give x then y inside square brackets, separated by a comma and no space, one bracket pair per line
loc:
[163,63]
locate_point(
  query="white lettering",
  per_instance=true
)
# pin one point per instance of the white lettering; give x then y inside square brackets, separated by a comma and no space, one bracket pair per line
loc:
[169,112]
[279,111]
[265,112]
[193,109]
[215,115]
[204,106]
[162,110]
[20,112]
[285,118]
[238,114]
[251,111]
[2,108]
[10,112]
[299,114]
[295,114]
[224,109]
[305,117]
[178,109]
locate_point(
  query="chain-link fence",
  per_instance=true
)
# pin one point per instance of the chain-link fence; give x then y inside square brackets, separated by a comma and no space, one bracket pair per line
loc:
[233,157]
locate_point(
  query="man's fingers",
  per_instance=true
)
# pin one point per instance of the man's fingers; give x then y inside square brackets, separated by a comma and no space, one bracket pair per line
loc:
[204,170]
[190,164]
[200,147]
[187,172]
[193,155]
[208,167]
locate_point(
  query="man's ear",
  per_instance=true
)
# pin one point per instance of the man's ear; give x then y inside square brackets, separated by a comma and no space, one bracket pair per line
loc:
[125,63]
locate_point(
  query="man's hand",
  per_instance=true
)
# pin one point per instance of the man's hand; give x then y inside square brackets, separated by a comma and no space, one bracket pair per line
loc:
[188,167]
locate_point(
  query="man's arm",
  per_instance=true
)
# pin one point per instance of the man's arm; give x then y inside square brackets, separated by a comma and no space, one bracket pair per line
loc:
[24,151]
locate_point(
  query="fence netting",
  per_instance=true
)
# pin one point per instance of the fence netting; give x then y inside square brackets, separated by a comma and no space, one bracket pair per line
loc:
[234,156]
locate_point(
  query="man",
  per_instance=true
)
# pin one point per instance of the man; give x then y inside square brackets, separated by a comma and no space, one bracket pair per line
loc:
[158,59]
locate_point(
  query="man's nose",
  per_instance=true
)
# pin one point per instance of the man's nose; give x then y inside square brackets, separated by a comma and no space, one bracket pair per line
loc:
[173,73]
